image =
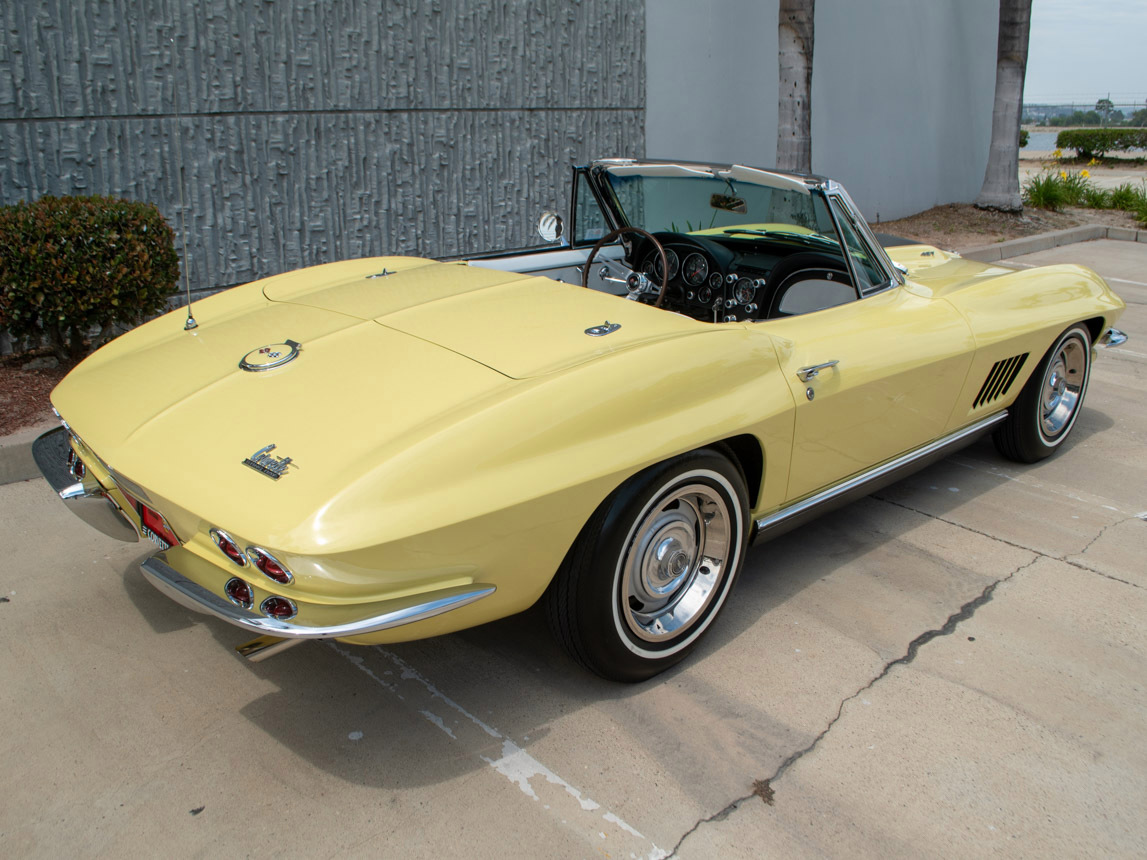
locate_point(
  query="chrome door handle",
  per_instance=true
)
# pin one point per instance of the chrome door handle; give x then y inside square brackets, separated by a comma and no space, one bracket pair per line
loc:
[807,373]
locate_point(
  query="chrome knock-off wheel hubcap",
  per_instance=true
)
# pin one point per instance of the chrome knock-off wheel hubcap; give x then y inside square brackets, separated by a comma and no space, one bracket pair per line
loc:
[675,562]
[1062,387]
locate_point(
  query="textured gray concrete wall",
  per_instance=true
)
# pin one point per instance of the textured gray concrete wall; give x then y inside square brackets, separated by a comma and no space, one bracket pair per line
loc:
[902,93]
[316,131]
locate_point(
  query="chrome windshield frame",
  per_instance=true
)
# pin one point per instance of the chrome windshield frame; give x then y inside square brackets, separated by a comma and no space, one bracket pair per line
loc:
[892,276]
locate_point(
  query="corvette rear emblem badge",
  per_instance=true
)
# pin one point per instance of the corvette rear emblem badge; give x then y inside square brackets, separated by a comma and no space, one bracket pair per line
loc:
[270,356]
[265,463]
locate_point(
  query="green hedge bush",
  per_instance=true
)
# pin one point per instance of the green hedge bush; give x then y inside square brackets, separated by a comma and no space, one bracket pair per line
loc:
[1094,142]
[1055,189]
[70,264]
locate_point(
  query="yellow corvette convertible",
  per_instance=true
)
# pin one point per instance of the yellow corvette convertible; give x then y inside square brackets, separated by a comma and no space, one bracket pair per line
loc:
[387,449]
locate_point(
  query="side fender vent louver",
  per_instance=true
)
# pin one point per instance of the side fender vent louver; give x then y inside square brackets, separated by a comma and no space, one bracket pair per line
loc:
[1002,375]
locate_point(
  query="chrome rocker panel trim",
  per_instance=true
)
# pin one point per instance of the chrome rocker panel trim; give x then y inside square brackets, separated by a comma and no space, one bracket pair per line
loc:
[858,486]
[194,596]
[86,501]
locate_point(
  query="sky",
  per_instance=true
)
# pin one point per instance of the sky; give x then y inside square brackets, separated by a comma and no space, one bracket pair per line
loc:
[1079,51]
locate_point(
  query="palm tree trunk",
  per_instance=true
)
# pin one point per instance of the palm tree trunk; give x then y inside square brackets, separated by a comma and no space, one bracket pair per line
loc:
[794,107]
[1001,188]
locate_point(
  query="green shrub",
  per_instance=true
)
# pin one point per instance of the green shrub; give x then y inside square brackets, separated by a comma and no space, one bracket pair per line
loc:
[1023,137]
[1094,142]
[1095,197]
[1045,191]
[1127,197]
[1135,201]
[70,264]
[1075,187]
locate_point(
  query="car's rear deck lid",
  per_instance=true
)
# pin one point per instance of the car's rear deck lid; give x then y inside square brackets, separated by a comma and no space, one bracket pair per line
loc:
[520,325]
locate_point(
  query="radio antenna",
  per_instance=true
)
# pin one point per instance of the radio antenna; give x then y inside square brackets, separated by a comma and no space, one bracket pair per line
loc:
[191,323]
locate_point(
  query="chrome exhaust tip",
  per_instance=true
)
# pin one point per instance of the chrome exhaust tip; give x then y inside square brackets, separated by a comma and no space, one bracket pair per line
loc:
[258,650]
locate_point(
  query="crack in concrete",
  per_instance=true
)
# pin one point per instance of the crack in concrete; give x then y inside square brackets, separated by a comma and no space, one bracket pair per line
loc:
[1102,531]
[720,815]
[1040,553]
[763,788]
[962,614]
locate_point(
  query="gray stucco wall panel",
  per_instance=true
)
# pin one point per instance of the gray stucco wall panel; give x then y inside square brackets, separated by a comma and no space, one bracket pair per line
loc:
[902,98]
[270,193]
[712,90]
[318,131]
[901,93]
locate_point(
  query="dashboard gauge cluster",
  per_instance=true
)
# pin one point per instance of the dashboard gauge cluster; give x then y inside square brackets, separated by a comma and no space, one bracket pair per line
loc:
[744,289]
[704,289]
[652,266]
[695,270]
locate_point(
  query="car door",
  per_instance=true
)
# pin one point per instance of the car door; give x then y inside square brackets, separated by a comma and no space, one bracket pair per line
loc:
[891,367]
[871,378]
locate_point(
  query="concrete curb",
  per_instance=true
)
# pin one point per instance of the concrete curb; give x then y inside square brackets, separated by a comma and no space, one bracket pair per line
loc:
[1047,241]
[16,463]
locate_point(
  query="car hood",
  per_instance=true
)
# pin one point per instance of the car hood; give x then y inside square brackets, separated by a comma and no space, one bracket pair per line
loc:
[520,325]
[936,273]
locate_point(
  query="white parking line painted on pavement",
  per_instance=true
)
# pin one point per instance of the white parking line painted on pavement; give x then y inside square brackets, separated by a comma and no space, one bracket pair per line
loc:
[967,462]
[514,763]
[1125,281]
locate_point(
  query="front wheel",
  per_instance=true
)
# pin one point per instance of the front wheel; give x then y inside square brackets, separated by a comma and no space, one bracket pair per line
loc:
[1046,409]
[652,568]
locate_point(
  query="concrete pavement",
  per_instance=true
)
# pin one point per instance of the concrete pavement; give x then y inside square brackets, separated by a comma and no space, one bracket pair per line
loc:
[955,666]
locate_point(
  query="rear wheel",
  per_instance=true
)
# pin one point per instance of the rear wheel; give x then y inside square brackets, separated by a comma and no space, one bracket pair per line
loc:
[652,568]
[1046,409]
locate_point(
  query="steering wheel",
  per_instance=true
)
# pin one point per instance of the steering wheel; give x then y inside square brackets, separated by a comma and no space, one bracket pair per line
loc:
[609,237]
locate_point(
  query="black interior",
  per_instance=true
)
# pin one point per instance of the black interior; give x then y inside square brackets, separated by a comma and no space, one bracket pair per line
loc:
[744,278]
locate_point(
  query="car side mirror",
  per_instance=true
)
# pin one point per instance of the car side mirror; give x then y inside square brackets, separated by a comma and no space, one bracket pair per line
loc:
[550,227]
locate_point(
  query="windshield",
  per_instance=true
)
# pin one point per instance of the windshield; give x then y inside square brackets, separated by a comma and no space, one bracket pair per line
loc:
[705,203]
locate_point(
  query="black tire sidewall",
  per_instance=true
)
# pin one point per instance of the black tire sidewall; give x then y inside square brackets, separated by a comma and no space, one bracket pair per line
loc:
[614,648]
[1085,339]
[1021,438]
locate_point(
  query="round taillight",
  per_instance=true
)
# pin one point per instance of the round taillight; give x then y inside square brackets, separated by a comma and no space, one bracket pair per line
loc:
[278,607]
[269,566]
[239,593]
[77,468]
[228,547]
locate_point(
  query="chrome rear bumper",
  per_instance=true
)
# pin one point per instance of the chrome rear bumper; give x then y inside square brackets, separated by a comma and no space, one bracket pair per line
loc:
[194,596]
[1111,337]
[86,499]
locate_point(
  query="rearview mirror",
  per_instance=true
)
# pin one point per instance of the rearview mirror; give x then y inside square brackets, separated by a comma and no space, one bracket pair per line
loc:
[550,227]
[726,203]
